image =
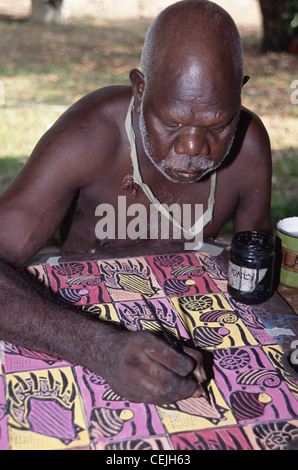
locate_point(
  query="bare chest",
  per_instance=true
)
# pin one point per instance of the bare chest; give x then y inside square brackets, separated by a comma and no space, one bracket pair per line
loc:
[112,208]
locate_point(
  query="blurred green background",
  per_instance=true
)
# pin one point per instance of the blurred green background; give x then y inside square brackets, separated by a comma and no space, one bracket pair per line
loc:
[45,68]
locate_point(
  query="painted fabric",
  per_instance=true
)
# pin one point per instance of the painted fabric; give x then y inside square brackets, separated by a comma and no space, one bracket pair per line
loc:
[47,403]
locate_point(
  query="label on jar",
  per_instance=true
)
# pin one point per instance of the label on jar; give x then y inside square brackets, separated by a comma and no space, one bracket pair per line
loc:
[243,278]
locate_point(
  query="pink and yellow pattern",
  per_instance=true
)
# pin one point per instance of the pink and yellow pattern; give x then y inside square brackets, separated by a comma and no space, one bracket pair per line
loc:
[46,403]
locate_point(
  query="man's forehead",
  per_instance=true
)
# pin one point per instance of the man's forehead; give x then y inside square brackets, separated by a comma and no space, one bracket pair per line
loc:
[194,92]
[190,74]
[185,48]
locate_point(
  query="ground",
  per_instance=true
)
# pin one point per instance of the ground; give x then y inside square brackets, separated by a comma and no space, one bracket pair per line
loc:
[246,13]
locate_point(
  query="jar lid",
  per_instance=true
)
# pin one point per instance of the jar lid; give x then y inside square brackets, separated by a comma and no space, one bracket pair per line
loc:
[253,243]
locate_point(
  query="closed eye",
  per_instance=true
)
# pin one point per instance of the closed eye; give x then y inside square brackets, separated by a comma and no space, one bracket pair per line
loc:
[219,129]
[172,125]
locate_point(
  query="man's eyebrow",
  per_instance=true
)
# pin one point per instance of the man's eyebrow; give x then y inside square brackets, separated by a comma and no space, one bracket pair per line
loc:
[168,116]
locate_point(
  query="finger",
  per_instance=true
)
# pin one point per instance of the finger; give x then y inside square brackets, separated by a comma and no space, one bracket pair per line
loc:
[198,371]
[169,390]
[198,393]
[159,385]
[177,362]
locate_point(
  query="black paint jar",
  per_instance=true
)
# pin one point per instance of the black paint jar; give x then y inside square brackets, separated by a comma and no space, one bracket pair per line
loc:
[251,267]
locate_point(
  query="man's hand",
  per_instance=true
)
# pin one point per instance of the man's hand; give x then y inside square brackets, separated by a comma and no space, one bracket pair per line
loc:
[144,368]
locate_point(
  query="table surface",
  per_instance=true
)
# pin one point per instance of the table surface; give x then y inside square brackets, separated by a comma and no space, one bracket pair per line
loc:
[289,294]
[47,403]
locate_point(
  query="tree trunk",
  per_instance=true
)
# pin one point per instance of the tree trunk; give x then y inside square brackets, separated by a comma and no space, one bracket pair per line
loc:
[50,11]
[274,37]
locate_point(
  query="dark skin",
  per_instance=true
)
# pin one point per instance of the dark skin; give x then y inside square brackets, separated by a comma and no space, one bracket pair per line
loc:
[80,163]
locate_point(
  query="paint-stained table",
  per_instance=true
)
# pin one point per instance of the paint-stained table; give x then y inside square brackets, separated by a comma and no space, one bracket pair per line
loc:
[290,295]
[249,351]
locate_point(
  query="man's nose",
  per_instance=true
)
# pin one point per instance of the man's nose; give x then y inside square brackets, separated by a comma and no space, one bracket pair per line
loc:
[192,144]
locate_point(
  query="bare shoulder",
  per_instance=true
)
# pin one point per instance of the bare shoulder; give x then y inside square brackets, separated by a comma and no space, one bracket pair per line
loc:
[81,141]
[92,127]
[249,162]
[256,142]
[252,153]
[100,107]
[252,174]
[65,160]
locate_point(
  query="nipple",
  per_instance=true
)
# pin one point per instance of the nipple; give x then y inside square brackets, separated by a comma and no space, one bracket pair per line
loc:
[129,185]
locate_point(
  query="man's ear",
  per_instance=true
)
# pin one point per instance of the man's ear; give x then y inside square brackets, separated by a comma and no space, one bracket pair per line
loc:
[138,86]
[245,80]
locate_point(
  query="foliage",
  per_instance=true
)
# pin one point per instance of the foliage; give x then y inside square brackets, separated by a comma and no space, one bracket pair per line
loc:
[280,25]
[290,17]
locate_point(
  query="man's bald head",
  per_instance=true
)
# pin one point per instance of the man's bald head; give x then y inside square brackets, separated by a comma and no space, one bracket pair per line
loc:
[189,95]
[193,36]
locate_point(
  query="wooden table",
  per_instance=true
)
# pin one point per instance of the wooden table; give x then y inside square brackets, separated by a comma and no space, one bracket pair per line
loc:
[249,351]
[290,295]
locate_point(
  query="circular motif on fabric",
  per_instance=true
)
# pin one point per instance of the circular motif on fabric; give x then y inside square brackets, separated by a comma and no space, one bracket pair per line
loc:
[233,360]
[169,260]
[69,269]
[196,303]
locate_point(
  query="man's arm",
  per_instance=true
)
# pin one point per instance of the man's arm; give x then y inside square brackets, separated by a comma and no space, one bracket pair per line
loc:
[254,174]
[35,203]
[138,366]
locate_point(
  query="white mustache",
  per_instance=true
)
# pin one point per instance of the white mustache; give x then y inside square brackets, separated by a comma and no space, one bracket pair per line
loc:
[191,164]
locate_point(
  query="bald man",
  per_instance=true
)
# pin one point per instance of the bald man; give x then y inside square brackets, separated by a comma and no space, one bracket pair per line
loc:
[177,135]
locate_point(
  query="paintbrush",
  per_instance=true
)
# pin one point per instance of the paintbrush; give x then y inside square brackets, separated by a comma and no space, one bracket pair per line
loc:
[175,345]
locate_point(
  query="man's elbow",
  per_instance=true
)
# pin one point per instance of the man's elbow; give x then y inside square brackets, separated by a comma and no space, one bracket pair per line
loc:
[13,259]
[16,255]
